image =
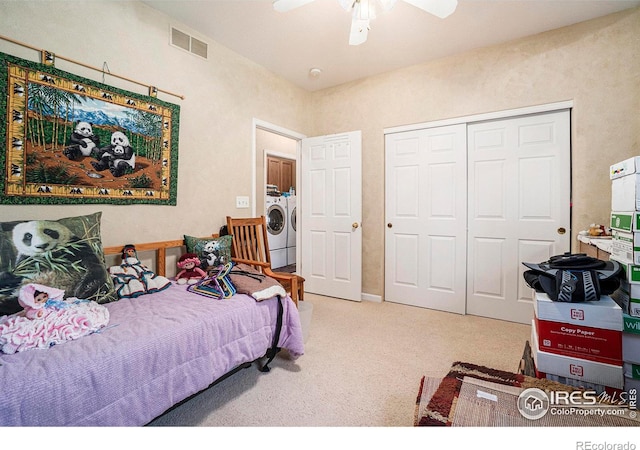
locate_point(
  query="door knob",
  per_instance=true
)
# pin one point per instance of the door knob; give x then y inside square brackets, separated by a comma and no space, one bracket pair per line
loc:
[354,225]
[561,230]
[389,225]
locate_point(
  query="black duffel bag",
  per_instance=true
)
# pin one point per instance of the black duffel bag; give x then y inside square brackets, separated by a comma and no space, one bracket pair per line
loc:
[574,277]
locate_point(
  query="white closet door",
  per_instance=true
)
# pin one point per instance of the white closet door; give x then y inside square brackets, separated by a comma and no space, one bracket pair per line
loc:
[425,242]
[519,208]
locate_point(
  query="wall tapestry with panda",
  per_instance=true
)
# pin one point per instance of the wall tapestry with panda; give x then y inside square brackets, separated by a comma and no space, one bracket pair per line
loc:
[68,139]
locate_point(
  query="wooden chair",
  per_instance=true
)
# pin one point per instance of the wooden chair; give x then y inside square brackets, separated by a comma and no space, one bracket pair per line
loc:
[251,246]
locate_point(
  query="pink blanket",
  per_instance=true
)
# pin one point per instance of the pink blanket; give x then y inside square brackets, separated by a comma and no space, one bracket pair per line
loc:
[47,324]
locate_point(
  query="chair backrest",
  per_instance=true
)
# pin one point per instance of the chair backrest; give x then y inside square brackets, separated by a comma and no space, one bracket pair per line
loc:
[250,241]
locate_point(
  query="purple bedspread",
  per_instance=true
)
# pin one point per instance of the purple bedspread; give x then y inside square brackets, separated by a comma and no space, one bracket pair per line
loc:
[157,350]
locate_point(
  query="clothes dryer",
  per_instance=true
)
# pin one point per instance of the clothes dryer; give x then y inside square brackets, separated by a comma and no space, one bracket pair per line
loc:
[276,216]
[291,230]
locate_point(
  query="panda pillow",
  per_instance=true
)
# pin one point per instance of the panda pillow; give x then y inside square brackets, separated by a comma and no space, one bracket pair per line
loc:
[65,254]
[212,252]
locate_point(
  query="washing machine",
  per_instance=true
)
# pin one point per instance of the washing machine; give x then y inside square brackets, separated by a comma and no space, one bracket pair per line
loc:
[276,215]
[291,230]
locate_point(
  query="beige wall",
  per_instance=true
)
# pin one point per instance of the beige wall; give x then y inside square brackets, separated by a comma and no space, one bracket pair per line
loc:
[223,95]
[594,64]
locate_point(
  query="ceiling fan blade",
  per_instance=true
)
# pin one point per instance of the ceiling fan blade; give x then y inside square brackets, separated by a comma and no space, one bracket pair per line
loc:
[288,5]
[359,31]
[347,5]
[439,8]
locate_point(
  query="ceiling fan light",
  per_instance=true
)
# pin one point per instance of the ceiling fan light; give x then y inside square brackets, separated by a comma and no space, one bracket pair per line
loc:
[364,10]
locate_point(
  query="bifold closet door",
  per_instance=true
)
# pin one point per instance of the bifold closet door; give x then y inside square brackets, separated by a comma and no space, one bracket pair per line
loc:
[519,208]
[425,211]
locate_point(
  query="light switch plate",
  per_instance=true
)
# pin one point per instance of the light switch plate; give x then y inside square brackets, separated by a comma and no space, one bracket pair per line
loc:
[242,202]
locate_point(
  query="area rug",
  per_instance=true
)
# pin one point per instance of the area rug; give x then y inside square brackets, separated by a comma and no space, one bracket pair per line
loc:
[486,404]
[438,409]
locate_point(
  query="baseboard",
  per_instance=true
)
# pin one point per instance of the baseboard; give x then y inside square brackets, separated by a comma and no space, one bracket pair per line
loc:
[371,298]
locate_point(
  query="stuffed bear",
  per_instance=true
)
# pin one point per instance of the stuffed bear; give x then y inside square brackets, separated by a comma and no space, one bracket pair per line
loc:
[118,157]
[212,255]
[82,142]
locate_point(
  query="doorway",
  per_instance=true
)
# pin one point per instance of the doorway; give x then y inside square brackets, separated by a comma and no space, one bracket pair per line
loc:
[276,152]
[343,152]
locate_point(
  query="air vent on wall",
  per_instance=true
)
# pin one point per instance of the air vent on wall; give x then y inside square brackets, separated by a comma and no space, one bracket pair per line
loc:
[186,42]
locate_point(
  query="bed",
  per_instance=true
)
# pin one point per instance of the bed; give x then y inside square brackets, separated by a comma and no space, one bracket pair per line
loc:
[157,350]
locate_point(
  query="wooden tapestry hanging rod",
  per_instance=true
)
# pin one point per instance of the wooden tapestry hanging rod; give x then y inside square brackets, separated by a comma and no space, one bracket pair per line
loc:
[91,67]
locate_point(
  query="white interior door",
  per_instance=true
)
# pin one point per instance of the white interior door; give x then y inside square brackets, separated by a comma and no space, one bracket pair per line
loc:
[330,215]
[426,207]
[519,208]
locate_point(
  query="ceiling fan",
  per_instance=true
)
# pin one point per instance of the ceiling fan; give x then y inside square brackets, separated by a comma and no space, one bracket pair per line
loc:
[364,10]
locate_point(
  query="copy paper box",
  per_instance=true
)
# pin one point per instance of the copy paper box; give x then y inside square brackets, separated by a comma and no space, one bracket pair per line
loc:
[623,168]
[631,325]
[631,348]
[577,368]
[625,221]
[625,193]
[631,339]
[625,246]
[604,313]
[631,383]
[594,344]
[632,370]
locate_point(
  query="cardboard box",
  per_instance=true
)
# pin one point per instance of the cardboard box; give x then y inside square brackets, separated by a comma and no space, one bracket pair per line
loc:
[625,221]
[594,344]
[623,168]
[625,193]
[632,370]
[576,368]
[631,339]
[630,325]
[630,384]
[599,388]
[625,246]
[631,348]
[605,313]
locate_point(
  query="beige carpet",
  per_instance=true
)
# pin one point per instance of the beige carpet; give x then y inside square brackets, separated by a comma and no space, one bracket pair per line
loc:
[361,367]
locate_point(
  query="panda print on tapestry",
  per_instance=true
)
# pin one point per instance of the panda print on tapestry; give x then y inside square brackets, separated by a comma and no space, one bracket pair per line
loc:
[118,156]
[83,142]
[53,254]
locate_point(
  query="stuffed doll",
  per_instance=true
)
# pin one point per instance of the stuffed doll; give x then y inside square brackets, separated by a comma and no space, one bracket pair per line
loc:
[48,319]
[36,298]
[132,278]
[190,271]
